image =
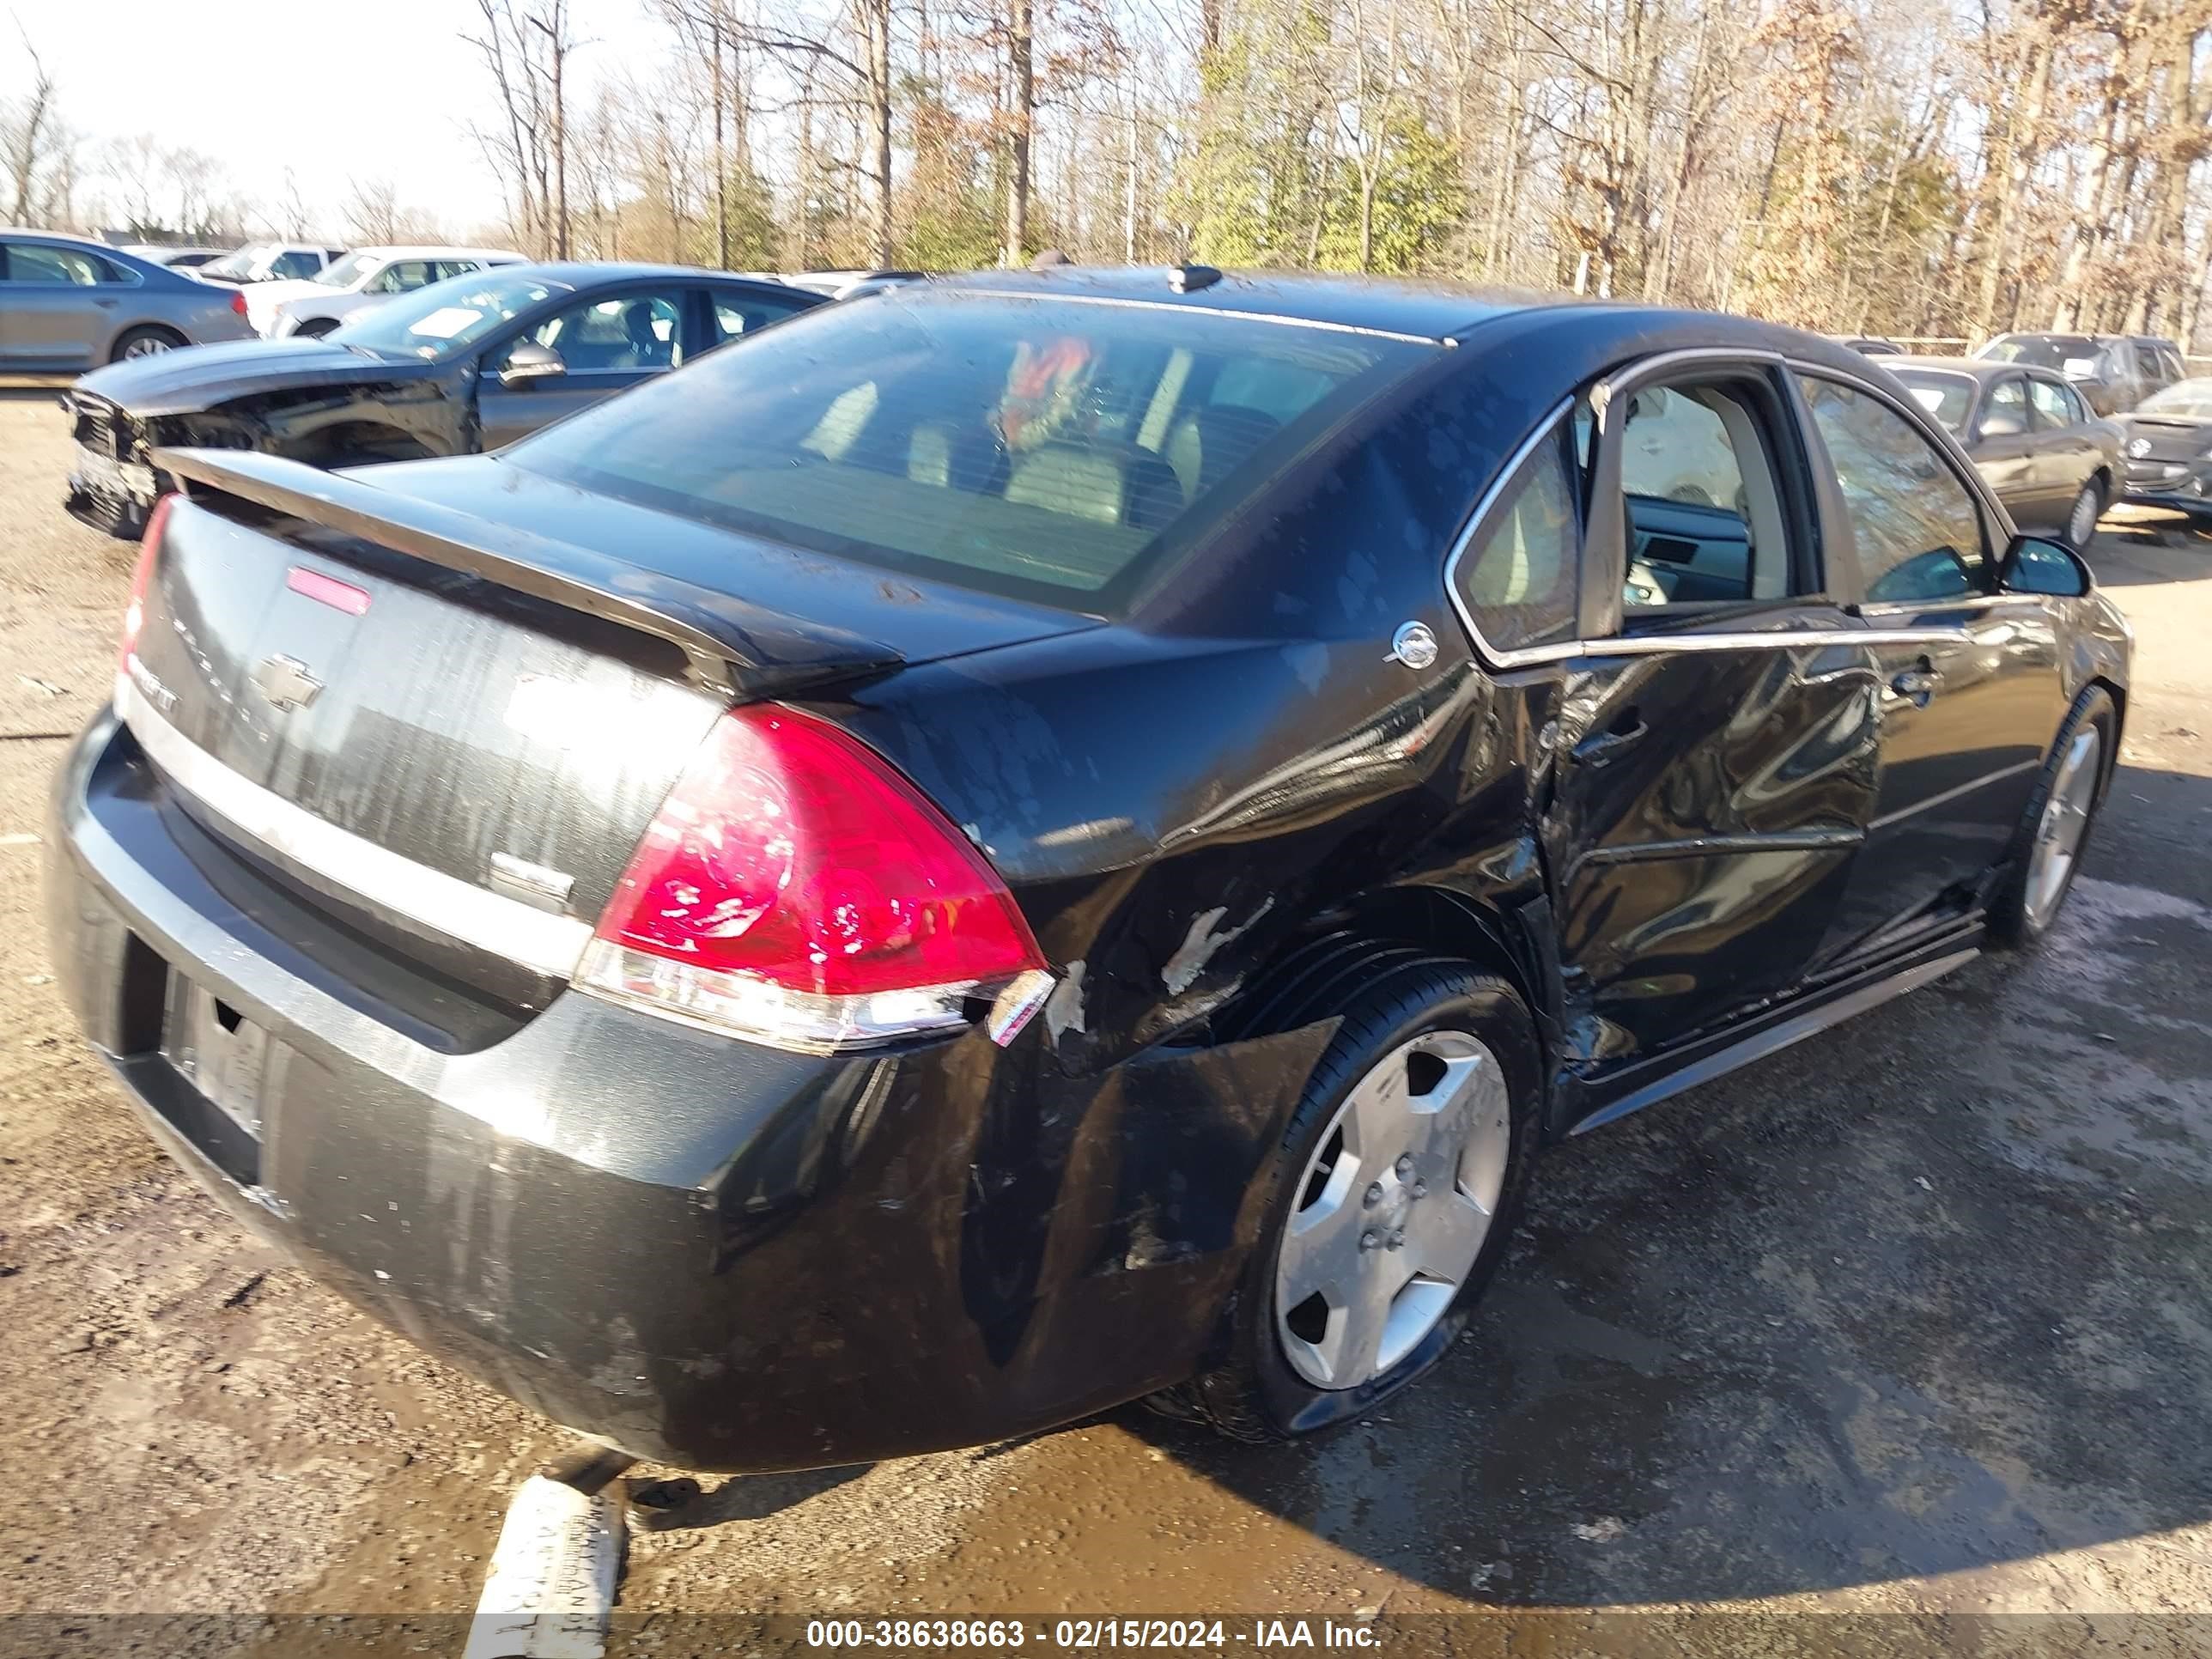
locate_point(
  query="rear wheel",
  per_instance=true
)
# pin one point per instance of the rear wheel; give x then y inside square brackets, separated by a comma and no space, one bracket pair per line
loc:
[144,342]
[2054,833]
[2081,518]
[315,328]
[1399,1177]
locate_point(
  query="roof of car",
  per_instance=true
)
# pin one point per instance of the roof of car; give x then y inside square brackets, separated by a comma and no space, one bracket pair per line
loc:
[1979,368]
[1432,310]
[578,273]
[435,251]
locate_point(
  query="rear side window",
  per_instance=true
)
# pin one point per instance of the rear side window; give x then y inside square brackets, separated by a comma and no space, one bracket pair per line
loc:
[34,262]
[1040,448]
[295,264]
[1517,576]
[736,315]
[1918,533]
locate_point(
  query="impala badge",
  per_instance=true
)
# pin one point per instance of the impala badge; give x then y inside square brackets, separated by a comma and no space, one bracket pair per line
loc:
[286,682]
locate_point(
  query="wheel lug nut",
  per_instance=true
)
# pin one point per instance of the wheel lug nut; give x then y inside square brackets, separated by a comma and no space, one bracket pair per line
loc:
[1369,1240]
[1405,1166]
[1375,1192]
[1397,1238]
[1421,1189]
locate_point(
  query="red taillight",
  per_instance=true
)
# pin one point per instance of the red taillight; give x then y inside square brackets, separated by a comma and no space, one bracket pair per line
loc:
[238,300]
[142,576]
[794,887]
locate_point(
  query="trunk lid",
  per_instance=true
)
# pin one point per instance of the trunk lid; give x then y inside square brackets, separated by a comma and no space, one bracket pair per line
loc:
[493,702]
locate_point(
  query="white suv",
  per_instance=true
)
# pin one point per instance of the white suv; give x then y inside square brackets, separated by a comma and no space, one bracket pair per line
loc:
[365,278]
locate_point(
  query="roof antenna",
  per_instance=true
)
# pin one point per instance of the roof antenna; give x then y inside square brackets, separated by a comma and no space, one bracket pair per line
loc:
[1189,279]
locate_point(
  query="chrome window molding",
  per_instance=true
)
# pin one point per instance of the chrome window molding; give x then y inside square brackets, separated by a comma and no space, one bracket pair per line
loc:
[446,905]
[1496,658]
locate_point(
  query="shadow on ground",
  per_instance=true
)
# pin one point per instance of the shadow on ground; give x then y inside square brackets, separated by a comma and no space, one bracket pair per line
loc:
[1927,1293]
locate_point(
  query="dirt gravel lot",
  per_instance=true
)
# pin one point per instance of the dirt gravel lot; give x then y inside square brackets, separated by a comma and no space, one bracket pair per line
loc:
[1914,1319]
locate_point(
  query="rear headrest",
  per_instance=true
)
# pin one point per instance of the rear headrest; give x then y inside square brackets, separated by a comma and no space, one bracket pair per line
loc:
[1210,442]
[1132,487]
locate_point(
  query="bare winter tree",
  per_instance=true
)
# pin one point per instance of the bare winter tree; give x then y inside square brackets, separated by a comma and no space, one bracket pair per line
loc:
[526,48]
[29,131]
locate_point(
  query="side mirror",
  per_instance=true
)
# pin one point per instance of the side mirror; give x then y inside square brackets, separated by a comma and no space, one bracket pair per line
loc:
[2033,564]
[528,360]
[2003,423]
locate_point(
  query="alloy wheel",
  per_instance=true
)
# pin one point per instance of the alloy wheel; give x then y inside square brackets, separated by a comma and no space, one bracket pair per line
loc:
[146,345]
[2081,522]
[2065,821]
[1393,1209]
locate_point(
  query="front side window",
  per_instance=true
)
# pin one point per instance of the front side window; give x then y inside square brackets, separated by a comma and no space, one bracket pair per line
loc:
[1014,445]
[404,276]
[344,273]
[1704,515]
[631,332]
[2055,404]
[736,315]
[2004,411]
[1517,576]
[1918,532]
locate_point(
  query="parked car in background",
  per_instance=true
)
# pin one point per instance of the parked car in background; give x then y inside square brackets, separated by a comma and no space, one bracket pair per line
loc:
[2168,443]
[1040,840]
[2054,464]
[850,284]
[2113,371]
[271,262]
[174,258]
[361,281]
[466,364]
[68,304]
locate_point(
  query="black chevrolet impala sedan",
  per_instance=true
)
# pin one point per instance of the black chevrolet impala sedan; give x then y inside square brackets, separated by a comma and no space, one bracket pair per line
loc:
[1044,840]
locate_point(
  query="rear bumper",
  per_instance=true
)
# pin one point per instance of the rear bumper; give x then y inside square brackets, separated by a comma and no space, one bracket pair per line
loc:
[707,1253]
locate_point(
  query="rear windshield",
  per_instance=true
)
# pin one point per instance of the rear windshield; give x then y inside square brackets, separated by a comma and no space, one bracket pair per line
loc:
[2040,350]
[1947,396]
[1049,449]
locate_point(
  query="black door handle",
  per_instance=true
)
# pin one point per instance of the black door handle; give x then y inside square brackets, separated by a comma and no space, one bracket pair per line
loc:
[1603,748]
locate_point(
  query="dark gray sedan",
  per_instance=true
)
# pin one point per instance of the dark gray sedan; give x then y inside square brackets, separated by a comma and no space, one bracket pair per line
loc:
[2169,450]
[68,304]
[467,364]
[2052,461]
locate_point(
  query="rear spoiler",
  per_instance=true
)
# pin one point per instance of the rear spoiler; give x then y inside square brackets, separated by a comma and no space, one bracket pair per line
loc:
[729,645]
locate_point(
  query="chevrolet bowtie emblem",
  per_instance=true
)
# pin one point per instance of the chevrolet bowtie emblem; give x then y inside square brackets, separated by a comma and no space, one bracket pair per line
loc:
[286,682]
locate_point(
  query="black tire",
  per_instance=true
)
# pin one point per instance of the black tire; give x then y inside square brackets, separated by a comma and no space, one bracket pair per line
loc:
[2094,493]
[2011,928]
[143,341]
[314,328]
[1253,1394]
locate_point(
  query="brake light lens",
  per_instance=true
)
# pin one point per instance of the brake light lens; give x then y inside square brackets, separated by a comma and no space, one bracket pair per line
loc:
[238,300]
[795,889]
[142,577]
